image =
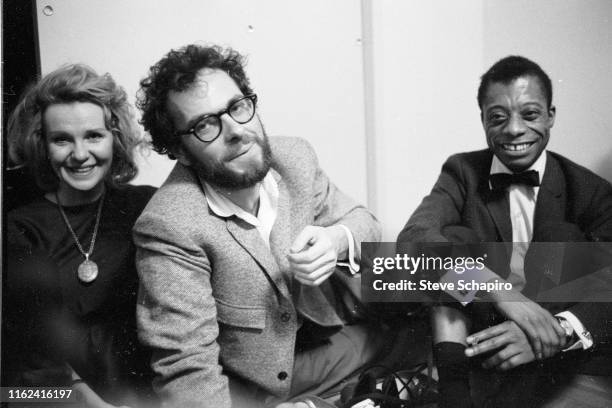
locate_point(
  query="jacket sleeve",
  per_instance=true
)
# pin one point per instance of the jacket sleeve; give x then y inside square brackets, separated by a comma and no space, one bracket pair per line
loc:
[441,208]
[177,315]
[596,316]
[333,207]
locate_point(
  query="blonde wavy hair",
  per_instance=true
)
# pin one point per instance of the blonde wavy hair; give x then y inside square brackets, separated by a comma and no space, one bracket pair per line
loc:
[69,84]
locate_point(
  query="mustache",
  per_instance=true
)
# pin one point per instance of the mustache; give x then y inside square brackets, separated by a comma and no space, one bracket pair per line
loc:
[250,139]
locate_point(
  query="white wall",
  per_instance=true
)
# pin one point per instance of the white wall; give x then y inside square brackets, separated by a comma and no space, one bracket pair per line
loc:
[305,61]
[423,60]
[572,41]
[427,59]
[429,56]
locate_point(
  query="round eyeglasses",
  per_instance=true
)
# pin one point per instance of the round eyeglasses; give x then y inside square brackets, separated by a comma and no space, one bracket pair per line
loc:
[209,126]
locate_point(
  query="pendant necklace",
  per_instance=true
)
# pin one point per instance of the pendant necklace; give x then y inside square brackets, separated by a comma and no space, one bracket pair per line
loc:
[88,270]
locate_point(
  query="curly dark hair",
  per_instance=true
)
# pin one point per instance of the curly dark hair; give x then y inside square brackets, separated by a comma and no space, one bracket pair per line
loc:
[68,84]
[510,68]
[177,71]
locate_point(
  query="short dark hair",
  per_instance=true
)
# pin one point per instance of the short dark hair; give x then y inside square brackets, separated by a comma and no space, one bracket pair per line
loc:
[69,84]
[510,68]
[177,71]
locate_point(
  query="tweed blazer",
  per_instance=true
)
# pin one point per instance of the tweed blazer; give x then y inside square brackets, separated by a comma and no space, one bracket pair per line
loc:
[214,301]
[570,197]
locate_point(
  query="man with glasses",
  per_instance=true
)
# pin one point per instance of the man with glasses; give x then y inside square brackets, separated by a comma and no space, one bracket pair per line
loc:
[237,252]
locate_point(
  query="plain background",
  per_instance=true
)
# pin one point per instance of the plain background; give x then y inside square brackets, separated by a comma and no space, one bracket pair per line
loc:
[385,90]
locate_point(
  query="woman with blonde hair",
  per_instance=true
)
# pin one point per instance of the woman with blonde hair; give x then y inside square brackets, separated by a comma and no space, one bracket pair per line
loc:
[71,284]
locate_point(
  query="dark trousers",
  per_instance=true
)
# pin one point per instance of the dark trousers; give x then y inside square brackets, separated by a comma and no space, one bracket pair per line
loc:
[326,369]
[530,386]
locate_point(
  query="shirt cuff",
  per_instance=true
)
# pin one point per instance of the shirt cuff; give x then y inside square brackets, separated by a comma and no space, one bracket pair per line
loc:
[478,276]
[585,339]
[352,262]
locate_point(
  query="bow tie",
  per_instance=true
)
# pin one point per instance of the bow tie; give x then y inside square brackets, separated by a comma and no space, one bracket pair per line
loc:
[501,181]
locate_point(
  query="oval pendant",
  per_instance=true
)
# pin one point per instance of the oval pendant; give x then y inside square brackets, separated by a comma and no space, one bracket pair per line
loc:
[88,271]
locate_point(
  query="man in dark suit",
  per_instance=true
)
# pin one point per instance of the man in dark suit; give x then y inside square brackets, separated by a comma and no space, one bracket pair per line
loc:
[516,191]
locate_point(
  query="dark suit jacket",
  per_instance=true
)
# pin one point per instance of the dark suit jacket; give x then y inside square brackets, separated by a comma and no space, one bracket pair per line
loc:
[215,303]
[573,203]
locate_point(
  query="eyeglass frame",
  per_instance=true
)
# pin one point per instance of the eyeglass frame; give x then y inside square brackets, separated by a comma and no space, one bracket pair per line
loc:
[252,97]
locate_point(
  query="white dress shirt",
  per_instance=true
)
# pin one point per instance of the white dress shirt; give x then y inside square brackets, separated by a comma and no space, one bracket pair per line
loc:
[266,215]
[522,201]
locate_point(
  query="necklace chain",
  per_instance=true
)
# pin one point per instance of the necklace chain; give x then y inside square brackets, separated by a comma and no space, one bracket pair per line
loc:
[95,231]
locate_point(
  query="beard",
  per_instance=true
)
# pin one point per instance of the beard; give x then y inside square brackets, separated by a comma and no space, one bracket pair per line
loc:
[216,173]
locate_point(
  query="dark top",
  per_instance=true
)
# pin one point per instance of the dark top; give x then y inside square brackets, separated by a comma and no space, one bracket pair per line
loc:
[573,205]
[51,317]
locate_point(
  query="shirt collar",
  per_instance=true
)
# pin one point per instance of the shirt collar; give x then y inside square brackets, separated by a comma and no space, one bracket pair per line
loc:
[223,207]
[539,165]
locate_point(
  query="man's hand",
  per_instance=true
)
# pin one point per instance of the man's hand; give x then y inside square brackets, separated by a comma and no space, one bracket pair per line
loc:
[510,341]
[314,253]
[545,334]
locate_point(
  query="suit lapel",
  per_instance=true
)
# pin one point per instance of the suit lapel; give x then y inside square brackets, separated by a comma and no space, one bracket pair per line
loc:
[293,215]
[543,262]
[248,237]
[245,234]
[496,202]
[281,236]
[550,207]
[251,241]
[499,208]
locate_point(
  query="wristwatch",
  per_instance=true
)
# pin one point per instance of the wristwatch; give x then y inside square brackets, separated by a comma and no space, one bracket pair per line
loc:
[567,327]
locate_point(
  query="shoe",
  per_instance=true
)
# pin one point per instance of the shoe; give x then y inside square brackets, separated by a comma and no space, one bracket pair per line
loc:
[420,388]
[403,389]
